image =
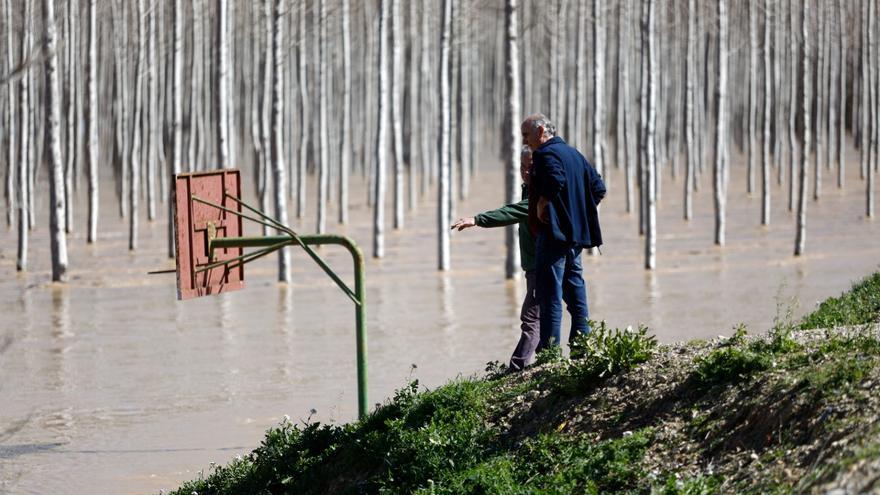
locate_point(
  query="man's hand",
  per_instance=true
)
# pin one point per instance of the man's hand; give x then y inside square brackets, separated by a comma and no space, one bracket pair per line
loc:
[543,212]
[463,223]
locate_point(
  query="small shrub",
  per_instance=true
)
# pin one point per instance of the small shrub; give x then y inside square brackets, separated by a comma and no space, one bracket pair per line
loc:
[701,485]
[728,364]
[600,354]
[550,354]
[858,306]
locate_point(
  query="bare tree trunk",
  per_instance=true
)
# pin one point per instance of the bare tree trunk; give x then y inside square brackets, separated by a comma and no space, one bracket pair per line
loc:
[24,145]
[278,167]
[71,120]
[692,155]
[136,132]
[266,109]
[626,38]
[512,132]
[650,183]
[345,162]
[415,95]
[323,131]
[304,123]
[396,112]
[92,155]
[768,115]
[598,86]
[870,142]
[820,101]
[152,101]
[864,110]
[223,94]
[806,100]
[427,156]
[465,133]
[720,168]
[841,143]
[577,135]
[445,144]
[381,143]
[792,108]
[753,94]
[57,236]
[177,114]
[11,193]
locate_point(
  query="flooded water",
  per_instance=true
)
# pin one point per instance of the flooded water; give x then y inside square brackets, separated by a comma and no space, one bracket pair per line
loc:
[110,385]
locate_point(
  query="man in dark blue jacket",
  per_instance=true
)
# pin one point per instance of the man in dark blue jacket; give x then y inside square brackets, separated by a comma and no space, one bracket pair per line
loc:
[564,217]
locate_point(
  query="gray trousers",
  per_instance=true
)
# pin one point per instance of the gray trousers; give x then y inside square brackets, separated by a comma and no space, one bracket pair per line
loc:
[530,325]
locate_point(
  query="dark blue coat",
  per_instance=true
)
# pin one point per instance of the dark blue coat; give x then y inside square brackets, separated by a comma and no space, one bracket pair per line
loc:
[574,188]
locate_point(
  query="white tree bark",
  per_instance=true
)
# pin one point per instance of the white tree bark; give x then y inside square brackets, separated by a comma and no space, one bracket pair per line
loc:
[768,115]
[381,130]
[651,164]
[415,94]
[24,144]
[223,94]
[152,103]
[806,101]
[11,192]
[304,106]
[874,110]
[345,161]
[92,155]
[323,129]
[720,167]
[444,142]
[57,236]
[598,86]
[841,144]
[397,112]
[692,157]
[753,95]
[278,167]
[71,120]
[792,108]
[136,132]
[580,83]
[511,132]
[176,113]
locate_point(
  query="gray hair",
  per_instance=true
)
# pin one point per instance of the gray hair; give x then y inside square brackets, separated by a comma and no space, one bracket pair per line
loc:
[540,120]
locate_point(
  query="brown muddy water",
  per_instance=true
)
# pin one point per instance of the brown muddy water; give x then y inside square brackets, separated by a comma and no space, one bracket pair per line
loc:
[110,385]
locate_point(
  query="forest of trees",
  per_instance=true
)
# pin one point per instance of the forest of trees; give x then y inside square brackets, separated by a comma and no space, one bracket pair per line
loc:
[404,93]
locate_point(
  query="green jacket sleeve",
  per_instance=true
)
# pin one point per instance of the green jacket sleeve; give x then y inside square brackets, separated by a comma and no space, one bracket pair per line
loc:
[506,215]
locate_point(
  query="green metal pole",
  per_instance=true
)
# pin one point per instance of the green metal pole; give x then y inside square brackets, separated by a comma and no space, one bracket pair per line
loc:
[359,292]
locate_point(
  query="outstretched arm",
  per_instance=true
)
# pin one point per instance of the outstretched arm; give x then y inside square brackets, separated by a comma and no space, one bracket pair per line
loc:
[506,215]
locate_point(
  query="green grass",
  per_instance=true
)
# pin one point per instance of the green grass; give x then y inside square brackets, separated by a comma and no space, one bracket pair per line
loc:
[858,306]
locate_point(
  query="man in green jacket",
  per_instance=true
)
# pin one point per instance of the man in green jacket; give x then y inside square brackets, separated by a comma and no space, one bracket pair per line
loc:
[510,214]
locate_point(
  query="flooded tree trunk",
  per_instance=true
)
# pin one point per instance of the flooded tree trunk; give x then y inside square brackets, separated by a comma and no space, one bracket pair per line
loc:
[136,132]
[768,116]
[806,101]
[397,112]
[152,104]
[176,113]
[414,129]
[426,92]
[266,110]
[71,114]
[323,128]
[444,142]
[690,145]
[720,166]
[57,236]
[841,100]
[465,133]
[626,102]
[653,75]
[792,106]
[92,153]
[598,86]
[874,126]
[511,132]
[278,168]
[122,98]
[753,95]
[12,194]
[223,94]
[578,129]
[820,101]
[304,106]
[345,160]
[381,130]
[865,100]
[24,144]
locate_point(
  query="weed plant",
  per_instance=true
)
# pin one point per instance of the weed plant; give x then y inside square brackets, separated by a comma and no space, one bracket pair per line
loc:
[858,306]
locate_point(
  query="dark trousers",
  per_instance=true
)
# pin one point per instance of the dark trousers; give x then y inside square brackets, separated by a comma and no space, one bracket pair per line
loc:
[524,353]
[559,277]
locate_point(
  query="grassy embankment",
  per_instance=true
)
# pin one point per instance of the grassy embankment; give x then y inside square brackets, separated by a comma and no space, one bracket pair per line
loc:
[795,411]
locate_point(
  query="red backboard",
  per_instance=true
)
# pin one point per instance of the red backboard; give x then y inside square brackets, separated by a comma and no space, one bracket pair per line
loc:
[195,221]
